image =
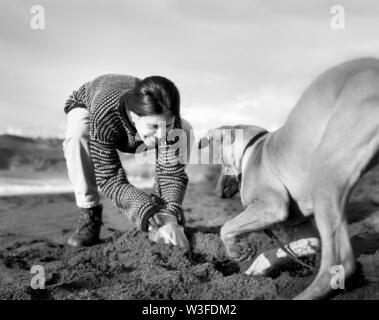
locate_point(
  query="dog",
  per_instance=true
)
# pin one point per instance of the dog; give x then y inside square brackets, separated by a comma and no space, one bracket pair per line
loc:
[312,163]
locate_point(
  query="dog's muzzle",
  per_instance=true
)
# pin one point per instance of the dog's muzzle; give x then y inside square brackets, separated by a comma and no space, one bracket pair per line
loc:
[227,186]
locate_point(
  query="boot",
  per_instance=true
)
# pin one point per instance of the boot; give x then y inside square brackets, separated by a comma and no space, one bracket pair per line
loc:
[88,231]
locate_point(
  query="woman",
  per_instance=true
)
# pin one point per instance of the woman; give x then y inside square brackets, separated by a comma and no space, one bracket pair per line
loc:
[121,112]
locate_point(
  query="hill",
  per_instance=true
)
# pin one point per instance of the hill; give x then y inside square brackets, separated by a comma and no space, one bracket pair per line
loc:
[31,154]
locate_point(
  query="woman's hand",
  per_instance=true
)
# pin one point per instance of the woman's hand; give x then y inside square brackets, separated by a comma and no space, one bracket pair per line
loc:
[155,222]
[161,218]
[164,228]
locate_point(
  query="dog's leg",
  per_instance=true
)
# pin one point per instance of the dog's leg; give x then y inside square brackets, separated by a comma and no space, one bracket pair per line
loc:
[259,215]
[349,144]
[337,254]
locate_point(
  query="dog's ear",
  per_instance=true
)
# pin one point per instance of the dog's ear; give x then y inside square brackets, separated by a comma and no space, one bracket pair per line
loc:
[213,135]
[219,135]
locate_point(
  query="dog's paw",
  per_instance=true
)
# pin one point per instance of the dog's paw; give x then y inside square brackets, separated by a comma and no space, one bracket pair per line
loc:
[239,248]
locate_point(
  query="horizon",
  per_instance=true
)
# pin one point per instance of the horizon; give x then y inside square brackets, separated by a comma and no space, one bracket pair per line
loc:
[246,62]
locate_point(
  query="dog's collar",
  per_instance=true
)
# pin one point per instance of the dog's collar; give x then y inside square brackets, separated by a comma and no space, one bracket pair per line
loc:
[253,140]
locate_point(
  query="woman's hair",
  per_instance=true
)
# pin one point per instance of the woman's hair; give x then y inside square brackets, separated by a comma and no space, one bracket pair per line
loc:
[155,95]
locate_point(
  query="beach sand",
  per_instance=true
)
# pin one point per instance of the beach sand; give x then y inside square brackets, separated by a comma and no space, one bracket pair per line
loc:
[34,228]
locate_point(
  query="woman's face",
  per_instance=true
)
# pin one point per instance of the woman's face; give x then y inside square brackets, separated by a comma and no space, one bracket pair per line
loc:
[152,128]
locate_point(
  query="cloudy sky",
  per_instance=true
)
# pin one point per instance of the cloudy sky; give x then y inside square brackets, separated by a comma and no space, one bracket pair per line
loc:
[235,61]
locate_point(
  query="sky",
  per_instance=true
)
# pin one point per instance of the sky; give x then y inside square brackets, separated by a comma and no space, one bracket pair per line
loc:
[234,62]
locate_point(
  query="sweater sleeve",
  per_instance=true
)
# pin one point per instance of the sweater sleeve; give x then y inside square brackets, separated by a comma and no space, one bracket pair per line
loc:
[111,179]
[76,100]
[171,179]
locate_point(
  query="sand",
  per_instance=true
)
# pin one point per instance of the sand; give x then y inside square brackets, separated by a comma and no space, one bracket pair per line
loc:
[126,265]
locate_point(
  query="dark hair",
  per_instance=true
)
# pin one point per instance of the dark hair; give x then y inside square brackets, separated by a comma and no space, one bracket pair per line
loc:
[155,95]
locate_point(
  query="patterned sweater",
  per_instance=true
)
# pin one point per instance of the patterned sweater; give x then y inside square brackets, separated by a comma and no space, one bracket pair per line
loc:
[111,130]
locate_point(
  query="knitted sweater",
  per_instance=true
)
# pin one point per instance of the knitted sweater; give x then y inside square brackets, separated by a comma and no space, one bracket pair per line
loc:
[111,130]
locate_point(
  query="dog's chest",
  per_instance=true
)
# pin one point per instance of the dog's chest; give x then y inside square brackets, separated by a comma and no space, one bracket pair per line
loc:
[253,179]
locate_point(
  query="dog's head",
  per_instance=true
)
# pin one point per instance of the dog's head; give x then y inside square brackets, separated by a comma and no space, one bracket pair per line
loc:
[228,144]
